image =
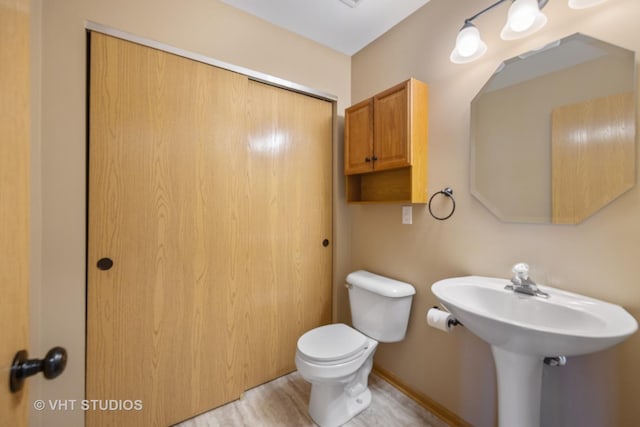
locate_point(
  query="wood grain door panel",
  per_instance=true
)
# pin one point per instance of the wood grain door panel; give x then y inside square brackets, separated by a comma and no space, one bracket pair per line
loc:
[165,192]
[14,202]
[592,155]
[211,193]
[358,130]
[392,147]
[290,273]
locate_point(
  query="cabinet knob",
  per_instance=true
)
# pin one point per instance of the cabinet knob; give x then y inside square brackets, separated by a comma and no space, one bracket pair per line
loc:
[367,159]
[374,158]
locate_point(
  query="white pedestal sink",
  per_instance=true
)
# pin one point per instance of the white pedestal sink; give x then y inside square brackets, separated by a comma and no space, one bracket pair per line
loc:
[522,330]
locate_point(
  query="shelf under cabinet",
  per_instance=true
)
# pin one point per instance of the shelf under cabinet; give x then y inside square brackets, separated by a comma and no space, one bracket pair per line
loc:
[389,186]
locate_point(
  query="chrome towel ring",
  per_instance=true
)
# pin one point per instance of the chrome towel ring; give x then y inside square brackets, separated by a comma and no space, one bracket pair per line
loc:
[446,192]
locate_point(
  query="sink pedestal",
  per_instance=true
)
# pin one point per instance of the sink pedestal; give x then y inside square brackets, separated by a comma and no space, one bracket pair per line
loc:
[519,388]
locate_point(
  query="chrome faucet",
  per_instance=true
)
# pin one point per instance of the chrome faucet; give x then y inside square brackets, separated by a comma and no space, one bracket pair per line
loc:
[522,283]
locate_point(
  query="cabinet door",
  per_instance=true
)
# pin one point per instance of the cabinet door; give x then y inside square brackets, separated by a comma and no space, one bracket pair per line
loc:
[391,118]
[358,138]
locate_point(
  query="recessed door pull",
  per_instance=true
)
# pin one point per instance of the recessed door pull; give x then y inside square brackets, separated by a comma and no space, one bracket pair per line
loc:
[51,367]
[105,264]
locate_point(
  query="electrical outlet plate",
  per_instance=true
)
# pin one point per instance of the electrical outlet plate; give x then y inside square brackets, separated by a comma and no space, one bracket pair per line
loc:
[407,214]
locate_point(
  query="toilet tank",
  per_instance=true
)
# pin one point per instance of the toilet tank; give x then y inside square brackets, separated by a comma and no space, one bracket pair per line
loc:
[380,306]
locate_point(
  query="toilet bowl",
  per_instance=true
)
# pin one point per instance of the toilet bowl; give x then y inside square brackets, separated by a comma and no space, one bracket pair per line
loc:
[337,359]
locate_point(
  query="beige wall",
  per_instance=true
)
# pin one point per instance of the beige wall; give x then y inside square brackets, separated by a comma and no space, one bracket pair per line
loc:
[598,257]
[207,27]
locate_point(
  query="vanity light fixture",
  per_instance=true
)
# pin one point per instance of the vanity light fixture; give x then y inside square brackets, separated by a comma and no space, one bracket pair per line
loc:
[524,18]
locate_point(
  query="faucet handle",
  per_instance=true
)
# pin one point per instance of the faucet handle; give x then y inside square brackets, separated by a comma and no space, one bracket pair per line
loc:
[521,270]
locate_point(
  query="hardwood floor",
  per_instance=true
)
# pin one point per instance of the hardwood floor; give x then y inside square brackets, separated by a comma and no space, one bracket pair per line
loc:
[283,403]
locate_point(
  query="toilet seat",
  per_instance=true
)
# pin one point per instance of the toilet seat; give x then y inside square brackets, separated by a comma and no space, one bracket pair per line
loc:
[332,344]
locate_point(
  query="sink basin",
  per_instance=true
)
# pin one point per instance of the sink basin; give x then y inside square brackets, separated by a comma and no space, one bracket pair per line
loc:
[564,324]
[523,329]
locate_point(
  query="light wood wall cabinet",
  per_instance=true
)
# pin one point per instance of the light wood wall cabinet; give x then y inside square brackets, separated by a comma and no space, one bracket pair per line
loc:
[385,146]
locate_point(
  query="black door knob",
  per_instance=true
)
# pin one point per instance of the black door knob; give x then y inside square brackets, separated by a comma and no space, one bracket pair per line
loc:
[325,242]
[51,367]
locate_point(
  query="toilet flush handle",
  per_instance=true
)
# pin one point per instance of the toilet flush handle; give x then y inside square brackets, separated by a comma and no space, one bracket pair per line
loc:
[348,285]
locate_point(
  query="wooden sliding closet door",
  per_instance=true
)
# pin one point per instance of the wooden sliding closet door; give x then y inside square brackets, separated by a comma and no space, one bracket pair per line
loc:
[167,190]
[209,201]
[290,177]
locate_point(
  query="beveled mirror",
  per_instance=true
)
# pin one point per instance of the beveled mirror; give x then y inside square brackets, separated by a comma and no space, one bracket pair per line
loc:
[553,132]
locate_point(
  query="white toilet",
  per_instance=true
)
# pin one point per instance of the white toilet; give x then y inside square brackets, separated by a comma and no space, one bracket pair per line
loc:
[337,359]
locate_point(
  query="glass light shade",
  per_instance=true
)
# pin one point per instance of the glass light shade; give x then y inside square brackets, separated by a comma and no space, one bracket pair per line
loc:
[522,15]
[583,4]
[469,46]
[539,21]
[468,41]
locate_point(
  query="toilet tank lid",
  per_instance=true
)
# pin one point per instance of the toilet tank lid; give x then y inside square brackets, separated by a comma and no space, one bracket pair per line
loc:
[381,285]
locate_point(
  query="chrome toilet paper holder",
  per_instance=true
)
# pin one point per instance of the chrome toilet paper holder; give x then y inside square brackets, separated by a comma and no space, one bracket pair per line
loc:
[453,321]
